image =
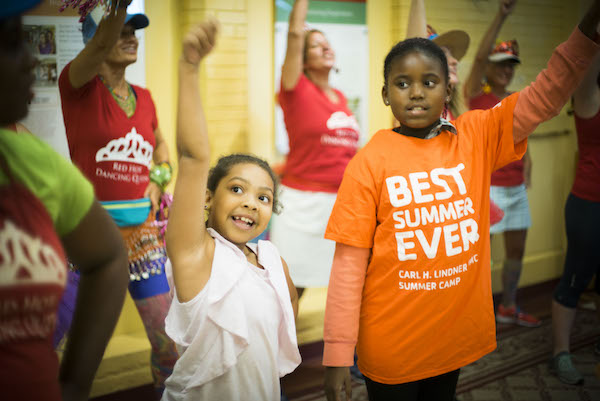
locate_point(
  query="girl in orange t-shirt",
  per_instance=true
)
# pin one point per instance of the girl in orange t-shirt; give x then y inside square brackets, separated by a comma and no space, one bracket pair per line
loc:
[410,285]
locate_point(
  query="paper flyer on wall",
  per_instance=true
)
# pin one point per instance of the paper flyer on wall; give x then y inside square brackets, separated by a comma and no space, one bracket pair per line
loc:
[54,41]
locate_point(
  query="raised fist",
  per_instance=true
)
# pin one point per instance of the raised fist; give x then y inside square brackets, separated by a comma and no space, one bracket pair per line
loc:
[199,41]
[507,6]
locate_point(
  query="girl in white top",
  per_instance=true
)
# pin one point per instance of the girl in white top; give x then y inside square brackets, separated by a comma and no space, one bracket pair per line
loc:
[233,312]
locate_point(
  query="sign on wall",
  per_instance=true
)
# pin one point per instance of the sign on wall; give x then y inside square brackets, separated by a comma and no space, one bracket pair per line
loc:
[344,25]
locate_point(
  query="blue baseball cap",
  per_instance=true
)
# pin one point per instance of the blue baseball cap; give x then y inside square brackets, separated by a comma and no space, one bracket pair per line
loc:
[89,26]
[12,8]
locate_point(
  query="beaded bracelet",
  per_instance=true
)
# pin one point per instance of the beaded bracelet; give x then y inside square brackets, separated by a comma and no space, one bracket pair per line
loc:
[161,174]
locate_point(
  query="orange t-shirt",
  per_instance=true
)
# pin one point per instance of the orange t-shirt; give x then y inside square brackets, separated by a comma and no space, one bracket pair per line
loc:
[423,208]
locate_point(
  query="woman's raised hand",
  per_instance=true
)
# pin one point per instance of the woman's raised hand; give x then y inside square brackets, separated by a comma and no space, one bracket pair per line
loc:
[199,41]
[124,3]
[507,6]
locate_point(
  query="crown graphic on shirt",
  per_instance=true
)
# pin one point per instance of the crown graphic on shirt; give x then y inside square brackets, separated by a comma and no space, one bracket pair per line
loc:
[130,148]
[25,259]
[339,119]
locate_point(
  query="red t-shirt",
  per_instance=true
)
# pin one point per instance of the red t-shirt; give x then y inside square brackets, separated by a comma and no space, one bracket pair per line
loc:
[512,174]
[33,275]
[42,197]
[323,137]
[113,151]
[587,177]
[422,206]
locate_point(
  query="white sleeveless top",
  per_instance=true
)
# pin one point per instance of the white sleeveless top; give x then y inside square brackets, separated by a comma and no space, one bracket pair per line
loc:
[237,336]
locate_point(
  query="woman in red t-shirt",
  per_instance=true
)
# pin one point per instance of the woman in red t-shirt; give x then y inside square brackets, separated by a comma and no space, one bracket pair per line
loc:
[323,137]
[114,138]
[48,213]
[509,183]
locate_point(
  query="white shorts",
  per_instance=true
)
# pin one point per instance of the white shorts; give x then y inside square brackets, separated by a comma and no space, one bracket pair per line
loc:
[298,233]
[513,202]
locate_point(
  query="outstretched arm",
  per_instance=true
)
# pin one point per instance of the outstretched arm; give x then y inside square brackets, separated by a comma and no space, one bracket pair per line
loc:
[87,63]
[553,87]
[473,82]
[294,54]
[417,20]
[586,98]
[188,244]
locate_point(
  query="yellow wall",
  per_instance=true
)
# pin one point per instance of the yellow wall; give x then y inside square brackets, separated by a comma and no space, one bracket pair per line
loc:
[162,44]
[224,74]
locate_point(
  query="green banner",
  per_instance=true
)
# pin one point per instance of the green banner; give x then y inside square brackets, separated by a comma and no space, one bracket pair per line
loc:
[332,12]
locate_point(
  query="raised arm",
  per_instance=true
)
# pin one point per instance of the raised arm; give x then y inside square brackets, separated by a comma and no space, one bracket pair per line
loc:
[188,244]
[417,20]
[473,83]
[294,54]
[553,87]
[87,63]
[586,98]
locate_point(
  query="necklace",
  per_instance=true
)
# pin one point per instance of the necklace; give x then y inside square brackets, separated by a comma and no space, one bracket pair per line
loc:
[112,91]
[126,103]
